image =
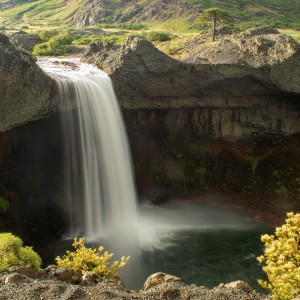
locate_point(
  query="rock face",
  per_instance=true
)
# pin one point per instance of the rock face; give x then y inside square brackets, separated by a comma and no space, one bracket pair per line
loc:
[25,89]
[256,93]
[24,40]
[99,11]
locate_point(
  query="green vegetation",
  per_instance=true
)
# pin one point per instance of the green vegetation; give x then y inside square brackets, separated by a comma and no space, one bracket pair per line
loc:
[85,260]
[214,16]
[158,36]
[12,253]
[281,259]
[245,13]
[128,26]
[57,45]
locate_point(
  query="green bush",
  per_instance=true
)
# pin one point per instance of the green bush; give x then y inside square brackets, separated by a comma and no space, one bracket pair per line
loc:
[281,259]
[57,45]
[45,35]
[12,253]
[85,260]
[159,36]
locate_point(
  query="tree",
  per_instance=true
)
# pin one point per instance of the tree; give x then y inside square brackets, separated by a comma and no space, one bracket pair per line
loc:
[214,15]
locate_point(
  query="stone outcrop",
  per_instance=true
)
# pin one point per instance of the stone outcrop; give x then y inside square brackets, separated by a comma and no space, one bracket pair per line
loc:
[24,40]
[25,89]
[254,94]
[49,287]
[99,11]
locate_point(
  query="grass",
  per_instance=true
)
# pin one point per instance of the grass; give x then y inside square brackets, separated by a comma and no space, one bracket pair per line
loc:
[295,34]
[245,13]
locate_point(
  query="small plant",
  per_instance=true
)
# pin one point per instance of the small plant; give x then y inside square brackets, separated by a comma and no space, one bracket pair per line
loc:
[94,260]
[12,253]
[56,45]
[159,36]
[281,259]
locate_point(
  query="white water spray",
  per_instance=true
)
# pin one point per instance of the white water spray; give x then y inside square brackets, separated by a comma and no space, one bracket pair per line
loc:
[100,189]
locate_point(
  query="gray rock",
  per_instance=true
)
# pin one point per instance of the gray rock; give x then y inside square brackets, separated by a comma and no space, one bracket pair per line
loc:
[240,284]
[24,40]
[159,278]
[68,276]
[91,278]
[15,278]
[27,271]
[25,89]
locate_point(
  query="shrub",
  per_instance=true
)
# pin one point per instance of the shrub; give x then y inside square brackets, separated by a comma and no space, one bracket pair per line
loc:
[57,45]
[12,253]
[281,259]
[85,260]
[47,34]
[159,36]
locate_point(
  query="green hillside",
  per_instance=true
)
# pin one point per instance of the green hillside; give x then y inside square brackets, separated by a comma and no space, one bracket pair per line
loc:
[181,16]
[176,16]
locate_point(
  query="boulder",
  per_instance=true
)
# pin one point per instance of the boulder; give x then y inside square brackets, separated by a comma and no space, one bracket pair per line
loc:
[24,40]
[240,284]
[15,278]
[26,91]
[68,276]
[27,271]
[90,278]
[159,278]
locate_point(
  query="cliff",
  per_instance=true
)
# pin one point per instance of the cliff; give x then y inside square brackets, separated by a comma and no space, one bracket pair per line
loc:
[25,89]
[235,91]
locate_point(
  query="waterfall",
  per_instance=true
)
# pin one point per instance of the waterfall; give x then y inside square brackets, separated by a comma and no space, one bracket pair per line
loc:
[99,186]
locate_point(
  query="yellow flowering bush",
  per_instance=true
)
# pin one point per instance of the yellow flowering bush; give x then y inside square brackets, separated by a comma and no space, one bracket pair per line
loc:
[94,260]
[12,253]
[281,259]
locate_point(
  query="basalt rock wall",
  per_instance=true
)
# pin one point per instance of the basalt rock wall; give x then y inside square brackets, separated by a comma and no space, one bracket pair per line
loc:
[245,96]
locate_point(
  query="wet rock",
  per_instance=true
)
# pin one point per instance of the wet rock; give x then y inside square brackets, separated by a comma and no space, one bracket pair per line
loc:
[159,278]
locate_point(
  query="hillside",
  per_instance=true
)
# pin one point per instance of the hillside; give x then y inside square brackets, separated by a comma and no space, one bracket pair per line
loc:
[172,15]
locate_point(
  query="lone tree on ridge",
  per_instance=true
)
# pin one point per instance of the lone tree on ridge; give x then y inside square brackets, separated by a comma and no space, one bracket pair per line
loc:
[214,15]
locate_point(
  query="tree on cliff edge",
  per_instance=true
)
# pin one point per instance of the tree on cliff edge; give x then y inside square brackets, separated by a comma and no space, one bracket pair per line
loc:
[214,15]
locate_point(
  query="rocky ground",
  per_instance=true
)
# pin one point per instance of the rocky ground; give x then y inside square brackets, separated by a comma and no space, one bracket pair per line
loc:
[62,284]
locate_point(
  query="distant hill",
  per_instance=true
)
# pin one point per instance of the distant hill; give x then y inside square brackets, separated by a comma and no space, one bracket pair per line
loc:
[177,15]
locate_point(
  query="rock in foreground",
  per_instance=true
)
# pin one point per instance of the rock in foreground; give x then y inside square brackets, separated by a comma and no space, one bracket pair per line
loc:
[48,287]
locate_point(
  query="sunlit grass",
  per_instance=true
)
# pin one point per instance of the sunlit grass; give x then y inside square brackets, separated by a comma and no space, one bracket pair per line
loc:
[295,34]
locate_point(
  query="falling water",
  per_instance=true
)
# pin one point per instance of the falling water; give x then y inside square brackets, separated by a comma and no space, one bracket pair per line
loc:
[99,187]
[101,199]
